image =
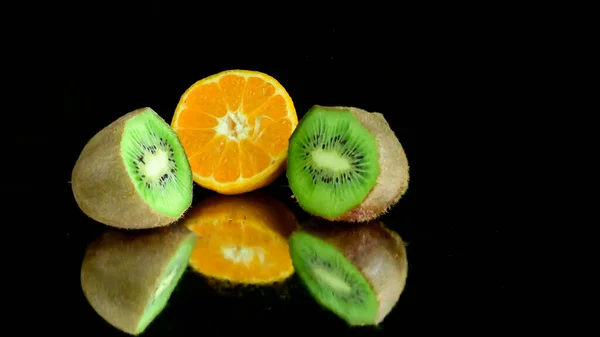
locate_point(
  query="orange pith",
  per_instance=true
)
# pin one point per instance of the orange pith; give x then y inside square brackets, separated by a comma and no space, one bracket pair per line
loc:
[235,127]
[242,239]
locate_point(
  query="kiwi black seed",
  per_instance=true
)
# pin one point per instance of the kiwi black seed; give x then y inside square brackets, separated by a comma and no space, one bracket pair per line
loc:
[134,173]
[357,271]
[346,164]
[128,276]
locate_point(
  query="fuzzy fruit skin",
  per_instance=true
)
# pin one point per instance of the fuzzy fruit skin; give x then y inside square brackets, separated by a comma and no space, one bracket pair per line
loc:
[102,187]
[394,175]
[121,270]
[377,252]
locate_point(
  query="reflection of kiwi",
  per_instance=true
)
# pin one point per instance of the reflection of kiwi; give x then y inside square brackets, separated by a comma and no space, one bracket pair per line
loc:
[134,173]
[356,271]
[346,164]
[128,277]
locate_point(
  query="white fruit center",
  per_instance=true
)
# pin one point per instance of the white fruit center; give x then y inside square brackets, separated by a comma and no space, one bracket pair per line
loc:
[330,160]
[156,164]
[165,283]
[331,280]
[233,125]
[244,255]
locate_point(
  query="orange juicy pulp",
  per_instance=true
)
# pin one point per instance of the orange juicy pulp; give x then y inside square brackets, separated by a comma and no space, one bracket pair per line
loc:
[242,240]
[235,127]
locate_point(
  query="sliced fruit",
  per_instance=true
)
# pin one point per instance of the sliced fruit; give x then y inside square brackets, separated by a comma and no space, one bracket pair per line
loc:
[346,164]
[357,271]
[235,127]
[133,174]
[242,239]
[128,277]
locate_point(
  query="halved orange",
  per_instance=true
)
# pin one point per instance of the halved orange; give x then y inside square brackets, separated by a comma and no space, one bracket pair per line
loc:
[235,127]
[242,239]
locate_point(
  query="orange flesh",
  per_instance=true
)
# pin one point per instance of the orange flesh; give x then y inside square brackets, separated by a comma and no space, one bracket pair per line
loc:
[240,253]
[241,240]
[235,127]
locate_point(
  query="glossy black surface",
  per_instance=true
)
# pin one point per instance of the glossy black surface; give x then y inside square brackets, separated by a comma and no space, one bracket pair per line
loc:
[194,305]
[148,55]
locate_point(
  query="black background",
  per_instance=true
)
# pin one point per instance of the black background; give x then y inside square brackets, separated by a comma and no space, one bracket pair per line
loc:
[104,61]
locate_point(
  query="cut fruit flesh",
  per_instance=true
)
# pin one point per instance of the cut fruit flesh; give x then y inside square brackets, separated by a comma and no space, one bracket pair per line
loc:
[321,173]
[242,239]
[234,251]
[235,127]
[327,284]
[128,276]
[162,175]
[171,276]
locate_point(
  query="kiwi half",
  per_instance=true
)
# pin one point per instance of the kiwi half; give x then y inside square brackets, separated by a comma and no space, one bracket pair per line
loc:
[128,276]
[346,164]
[356,271]
[134,173]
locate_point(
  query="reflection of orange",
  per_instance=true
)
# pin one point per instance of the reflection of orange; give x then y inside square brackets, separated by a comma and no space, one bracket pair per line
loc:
[235,127]
[242,238]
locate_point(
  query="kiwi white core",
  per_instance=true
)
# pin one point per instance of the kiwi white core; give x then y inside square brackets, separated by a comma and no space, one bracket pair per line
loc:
[330,160]
[156,164]
[166,284]
[331,280]
[332,163]
[167,281]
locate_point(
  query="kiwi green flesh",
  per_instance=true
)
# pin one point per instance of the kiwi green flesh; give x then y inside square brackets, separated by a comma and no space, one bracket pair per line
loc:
[332,162]
[157,164]
[169,279]
[333,280]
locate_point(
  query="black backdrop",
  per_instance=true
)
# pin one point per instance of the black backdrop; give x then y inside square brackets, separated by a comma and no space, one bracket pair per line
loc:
[104,61]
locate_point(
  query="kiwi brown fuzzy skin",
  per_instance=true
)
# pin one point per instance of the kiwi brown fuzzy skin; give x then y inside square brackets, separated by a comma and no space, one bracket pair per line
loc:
[377,252]
[102,187]
[121,270]
[394,176]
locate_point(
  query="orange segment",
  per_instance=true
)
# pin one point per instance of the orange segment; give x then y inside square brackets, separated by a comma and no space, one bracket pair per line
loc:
[194,120]
[206,98]
[228,168]
[242,239]
[274,107]
[192,139]
[253,159]
[206,161]
[274,138]
[256,93]
[235,127]
[232,87]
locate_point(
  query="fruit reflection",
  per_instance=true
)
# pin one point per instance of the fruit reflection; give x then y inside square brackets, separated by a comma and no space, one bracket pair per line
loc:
[242,239]
[128,276]
[356,271]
